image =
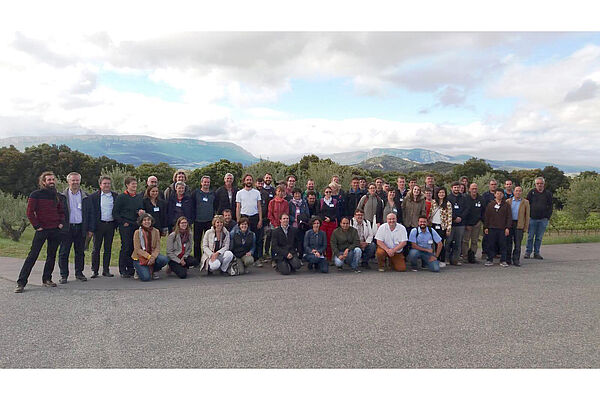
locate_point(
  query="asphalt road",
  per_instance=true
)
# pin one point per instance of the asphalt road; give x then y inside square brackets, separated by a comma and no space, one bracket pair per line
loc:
[543,315]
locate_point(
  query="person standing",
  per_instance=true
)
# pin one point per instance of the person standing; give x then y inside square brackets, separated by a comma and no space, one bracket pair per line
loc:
[379,188]
[362,187]
[328,211]
[428,192]
[101,225]
[413,207]
[310,186]
[267,193]
[540,203]
[390,204]
[180,204]
[178,176]
[299,217]
[72,232]
[46,215]
[156,207]
[497,223]
[312,203]
[225,195]
[345,246]
[441,219]
[459,210]
[352,198]
[391,238]
[248,205]
[508,189]
[290,185]
[426,245]
[372,206]
[284,247]
[473,222]
[204,201]
[487,198]
[521,213]
[153,181]
[127,208]
[430,183]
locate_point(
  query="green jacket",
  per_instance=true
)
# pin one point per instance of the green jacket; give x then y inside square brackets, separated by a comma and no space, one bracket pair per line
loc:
[340,240]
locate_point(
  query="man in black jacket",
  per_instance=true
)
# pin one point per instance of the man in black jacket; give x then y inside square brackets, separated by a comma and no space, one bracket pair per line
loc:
[100,224]
[72,232]
[283,242]
[127,208]
[225,196]
[459,210]
[540,203]
[473,222]
[352,197]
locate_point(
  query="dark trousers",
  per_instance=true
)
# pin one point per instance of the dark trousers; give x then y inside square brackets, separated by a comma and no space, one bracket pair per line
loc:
[105,232]
[125,260]
[286,266]
[442,233]
[515,237]
[496,244]
[199,229]
[267,236]
[260,237]
[53,237]
[74,236]
[300,244]
[181,270]
[253,226]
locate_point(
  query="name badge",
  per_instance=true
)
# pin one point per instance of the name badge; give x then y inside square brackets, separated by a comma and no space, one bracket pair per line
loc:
[178,204]
[478,204]
[331,205]
[79,206]
[205,199]
[216,240]
[497,206]
[430,241]
[456,206]
[156,209]
[438,227]
[270,194]
[394,210]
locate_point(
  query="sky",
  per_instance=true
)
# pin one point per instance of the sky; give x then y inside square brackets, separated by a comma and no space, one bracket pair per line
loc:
[499,95]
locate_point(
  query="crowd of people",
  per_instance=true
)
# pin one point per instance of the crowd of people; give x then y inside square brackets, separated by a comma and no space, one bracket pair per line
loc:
[232,230]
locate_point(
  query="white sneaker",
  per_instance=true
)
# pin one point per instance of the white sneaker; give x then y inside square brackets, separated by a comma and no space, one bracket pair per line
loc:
[442,264]
[488,263]
[135,275]
[503,264]
[155,275]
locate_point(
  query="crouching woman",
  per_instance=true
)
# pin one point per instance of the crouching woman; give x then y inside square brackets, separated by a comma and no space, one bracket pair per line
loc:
[180,243]
[215,247]
[146,247]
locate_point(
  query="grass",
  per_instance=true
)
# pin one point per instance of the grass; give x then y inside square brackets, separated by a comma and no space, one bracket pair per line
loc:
[20,249]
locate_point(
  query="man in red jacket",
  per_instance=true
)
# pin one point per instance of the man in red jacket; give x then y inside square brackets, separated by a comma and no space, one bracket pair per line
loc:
[46,214]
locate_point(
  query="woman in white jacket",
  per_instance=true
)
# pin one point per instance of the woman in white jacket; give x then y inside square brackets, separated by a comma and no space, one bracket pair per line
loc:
[215,247]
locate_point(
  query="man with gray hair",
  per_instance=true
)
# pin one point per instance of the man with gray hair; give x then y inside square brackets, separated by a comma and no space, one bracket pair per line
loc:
[225,196]
[540,203]
[72,232]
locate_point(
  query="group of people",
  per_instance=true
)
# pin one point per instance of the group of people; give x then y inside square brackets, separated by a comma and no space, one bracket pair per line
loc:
[230,230]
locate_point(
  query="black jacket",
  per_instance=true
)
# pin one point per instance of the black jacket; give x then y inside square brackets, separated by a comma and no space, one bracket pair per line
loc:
[351,202]
[64,198]
[476,210]
[160,216]
[540,204]
[93,214]
[281,244]
[186,210]
[459,208]
[222,200]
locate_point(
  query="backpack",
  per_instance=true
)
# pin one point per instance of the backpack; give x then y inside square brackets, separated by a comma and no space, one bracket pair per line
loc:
[236,267]
[430,232]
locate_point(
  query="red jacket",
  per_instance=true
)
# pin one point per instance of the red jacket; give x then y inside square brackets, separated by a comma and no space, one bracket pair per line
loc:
[276,209]
[45,210]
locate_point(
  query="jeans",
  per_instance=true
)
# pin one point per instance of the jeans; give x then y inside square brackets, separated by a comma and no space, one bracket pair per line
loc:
[414,255]
[144,270]
[320,262]
[369,252]
[352,259]
[537,227]
[74,236]
[454,243]
[515,237]
[105,232]
[53,236]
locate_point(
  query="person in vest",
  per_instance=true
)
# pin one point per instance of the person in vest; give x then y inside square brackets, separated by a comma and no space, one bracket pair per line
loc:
[101,225]
[521,213]
[345,246]
[72,231]
[285,248]
[315,245]
[46,215]
[204,201]
[128,207]
[146,256]
[426,245]
[243,243]
[179,249]
[215,248]
[497,223]
[540,203]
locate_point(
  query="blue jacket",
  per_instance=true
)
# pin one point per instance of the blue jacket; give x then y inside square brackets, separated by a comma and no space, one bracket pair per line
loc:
[303,217]
[315,241]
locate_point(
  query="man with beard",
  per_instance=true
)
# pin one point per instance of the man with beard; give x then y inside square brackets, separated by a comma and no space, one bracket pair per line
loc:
[313,205]
[379,189]
[248,205]
[267,193]
[46,215]
[310,186]
[459,210]
[426,245]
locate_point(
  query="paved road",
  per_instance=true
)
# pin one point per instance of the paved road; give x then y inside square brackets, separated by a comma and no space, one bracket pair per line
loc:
[545,314]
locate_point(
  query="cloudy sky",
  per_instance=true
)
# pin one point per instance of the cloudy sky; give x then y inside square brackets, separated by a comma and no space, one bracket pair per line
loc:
[498,95]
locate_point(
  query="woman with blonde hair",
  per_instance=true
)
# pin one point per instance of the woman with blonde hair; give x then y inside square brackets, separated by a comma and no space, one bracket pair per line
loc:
[215,247]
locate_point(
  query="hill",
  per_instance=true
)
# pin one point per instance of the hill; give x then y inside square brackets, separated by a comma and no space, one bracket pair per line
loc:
[183,153]
[391,163]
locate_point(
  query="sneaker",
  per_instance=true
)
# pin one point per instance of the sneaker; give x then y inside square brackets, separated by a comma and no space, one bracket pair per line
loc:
[538,257]
[19,289]
[516,264]
[504,264]
[488,263]
[135,275]
[526,255]
[414,268]
[81,278]
[155,275]
[48,284]
[442,264]
[62,281]
[125,276]
[381,269]
[340,269]
[107,274]
[458,263]
[357,271]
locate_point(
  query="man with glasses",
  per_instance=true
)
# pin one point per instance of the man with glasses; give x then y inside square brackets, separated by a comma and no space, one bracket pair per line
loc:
[540,203]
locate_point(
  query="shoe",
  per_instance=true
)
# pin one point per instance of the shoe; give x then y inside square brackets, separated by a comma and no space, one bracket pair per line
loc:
[259,264]
[168,270]
[48,284]
[357,271]
[107,274]
[19,289]
[381,269]
[340,269]
[538,257]
[223,273]
[442,264]
[458,263]
[488,263]
[94,275]
[155,276]
[62,281]
[273,264]
[503,264]
[126,276]
[414,268]
[135,275]
[516,264]
[526,255]
[81,278]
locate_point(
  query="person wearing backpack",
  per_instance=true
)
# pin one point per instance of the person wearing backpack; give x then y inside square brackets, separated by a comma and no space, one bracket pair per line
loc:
[426,244]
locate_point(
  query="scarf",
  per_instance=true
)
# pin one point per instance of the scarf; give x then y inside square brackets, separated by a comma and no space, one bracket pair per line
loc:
[296,203]
[185,238]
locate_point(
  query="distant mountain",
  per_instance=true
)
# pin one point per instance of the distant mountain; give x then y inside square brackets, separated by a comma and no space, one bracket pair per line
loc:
[416,155]
[391,163]
[183,153]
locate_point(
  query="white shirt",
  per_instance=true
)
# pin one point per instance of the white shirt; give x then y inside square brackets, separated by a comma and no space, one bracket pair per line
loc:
[106,206]
[75,207]
[248,200]
[392,238]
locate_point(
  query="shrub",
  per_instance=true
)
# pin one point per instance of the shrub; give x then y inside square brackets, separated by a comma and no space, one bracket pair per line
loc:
[13,216]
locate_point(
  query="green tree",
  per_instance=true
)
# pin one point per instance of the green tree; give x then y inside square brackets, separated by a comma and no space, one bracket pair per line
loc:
[277,169]
[163,171]
[13,165]
[216,171]
[472,168]
[583,197]
[13,216]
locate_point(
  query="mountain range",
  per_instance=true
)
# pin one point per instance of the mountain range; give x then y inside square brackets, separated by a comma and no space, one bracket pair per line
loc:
[193,153]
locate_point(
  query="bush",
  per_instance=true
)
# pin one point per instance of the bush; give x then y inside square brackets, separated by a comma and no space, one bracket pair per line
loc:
[118,175]
[13,216]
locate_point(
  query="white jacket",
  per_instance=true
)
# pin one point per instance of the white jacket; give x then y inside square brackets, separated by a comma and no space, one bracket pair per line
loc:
[369,232]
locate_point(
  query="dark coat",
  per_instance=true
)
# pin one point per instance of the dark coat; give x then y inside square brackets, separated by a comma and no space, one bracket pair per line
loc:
[282,244]
[93,213]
